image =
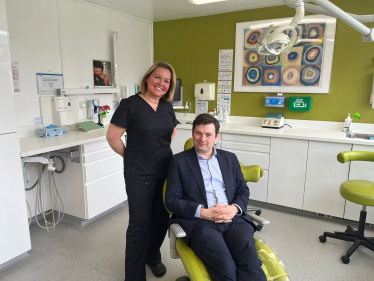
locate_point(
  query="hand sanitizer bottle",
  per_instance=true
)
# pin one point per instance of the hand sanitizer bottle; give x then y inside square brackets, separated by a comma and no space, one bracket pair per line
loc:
[347,123]
[220,115]
[225,116]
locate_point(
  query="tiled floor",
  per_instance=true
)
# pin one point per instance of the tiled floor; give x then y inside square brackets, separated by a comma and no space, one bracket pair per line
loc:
[95,250]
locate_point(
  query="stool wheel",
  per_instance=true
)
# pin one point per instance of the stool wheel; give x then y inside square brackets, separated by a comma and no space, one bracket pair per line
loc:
[322,238]
[258,213]
[345,259]
[259,227]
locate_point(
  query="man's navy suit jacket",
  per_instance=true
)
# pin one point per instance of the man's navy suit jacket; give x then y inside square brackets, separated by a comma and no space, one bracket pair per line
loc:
[185,189]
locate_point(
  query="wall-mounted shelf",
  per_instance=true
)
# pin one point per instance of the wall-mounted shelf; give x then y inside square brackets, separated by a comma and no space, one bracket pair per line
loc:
[89,91]
[178,107]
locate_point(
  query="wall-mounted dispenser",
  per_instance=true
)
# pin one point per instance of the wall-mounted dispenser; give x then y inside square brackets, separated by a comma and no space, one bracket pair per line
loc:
[205,91]
[62,110]
[92,109]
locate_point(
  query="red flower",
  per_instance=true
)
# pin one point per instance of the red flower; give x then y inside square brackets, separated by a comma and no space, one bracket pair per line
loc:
[107,107]
[103,108]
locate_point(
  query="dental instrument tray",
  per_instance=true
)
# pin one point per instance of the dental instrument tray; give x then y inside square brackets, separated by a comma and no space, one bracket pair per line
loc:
[273,120]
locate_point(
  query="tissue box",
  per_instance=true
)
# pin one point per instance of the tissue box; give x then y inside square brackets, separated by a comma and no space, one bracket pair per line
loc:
[51,132]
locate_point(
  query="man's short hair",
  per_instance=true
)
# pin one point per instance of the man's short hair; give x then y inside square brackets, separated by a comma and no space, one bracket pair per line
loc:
[98,64]
[205,119]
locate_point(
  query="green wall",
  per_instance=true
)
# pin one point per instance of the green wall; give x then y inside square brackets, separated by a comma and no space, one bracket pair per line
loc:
[192,45]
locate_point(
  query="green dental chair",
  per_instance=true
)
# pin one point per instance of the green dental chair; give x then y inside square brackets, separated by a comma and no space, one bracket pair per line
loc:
[359,192]
[273,268]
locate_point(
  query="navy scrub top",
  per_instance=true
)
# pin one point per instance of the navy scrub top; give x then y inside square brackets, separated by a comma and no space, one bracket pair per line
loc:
[148,153]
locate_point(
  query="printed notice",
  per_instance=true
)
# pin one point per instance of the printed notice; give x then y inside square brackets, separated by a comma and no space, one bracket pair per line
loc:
[224,87]
[224,102]
[48,84]
[15,73]
[225,60]
[224,76]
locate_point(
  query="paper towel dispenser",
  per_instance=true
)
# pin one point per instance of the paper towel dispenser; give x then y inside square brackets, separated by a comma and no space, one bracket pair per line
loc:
[205,91]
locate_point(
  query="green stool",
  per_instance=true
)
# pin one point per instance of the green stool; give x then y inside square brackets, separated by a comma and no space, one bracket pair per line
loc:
[359,192]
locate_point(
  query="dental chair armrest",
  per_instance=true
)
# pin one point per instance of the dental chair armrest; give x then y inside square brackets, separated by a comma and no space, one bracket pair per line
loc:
[175,232]
[259,220]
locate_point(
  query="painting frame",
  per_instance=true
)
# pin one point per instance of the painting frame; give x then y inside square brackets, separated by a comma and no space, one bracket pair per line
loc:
[326,62]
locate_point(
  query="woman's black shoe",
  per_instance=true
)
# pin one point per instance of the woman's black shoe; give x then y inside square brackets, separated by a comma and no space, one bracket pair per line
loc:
[158,270]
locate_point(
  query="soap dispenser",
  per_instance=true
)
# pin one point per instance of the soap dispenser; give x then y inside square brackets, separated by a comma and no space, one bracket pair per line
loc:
[347,123]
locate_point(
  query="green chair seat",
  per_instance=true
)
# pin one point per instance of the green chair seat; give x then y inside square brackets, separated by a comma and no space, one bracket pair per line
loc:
[358,191]
[196,270]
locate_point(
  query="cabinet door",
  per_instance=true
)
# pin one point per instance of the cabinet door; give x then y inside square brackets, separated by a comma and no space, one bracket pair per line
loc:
[287,172]
[6,83]
[105,193]
[360,170]
[258,190]
[14,229]
[182,135]
[324,176]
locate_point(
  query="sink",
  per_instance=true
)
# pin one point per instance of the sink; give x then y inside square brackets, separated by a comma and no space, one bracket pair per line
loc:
[360,136]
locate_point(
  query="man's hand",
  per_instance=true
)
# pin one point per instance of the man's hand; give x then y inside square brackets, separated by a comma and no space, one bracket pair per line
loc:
[208,214]
[224,213]
[105,78]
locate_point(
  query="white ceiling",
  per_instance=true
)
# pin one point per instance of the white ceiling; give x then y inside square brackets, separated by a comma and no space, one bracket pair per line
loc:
[162,10]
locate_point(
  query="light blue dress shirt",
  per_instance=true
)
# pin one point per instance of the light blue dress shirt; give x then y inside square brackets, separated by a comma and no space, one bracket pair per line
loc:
[214,186]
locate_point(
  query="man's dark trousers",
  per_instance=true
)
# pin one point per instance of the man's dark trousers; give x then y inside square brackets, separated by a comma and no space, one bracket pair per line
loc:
[227,250]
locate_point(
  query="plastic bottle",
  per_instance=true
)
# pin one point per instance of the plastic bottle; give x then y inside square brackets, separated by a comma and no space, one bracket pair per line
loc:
[220,115]
[225,116]
[347,123]
[211,112]
[215,114]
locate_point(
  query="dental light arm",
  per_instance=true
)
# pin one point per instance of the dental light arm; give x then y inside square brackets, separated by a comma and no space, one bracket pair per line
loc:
[278,42]
[327,8]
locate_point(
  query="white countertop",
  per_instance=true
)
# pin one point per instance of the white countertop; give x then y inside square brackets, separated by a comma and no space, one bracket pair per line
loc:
[34,145]
[318,131]
[302,129]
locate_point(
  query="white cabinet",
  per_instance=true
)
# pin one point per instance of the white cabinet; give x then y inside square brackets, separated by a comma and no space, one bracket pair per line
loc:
[324,176]
[94,185]
[287,172]
[14,230]
[360,170]
[180,138]
[104,183]
[251,150]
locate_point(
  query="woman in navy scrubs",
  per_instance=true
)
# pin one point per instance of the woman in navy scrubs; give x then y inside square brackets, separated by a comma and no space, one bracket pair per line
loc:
[150,123]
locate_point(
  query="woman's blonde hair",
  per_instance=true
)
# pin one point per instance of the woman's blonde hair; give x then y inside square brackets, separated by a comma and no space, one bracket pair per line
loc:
[170,93]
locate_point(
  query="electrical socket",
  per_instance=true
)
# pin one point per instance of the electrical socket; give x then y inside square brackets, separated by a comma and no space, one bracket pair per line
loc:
[82,104]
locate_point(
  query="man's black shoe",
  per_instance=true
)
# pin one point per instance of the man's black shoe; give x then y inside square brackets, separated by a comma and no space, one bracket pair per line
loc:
[158,270]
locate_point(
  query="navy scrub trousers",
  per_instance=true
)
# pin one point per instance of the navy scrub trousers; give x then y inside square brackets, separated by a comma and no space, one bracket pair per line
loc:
[146,162]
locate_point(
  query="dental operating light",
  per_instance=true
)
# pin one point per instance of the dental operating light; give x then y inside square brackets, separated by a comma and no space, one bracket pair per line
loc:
[276,42]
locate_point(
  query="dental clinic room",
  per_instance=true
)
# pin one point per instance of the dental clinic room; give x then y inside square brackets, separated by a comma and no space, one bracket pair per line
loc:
[187,140]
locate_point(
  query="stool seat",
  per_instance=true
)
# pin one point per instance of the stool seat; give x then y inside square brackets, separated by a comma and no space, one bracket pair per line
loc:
[358,191]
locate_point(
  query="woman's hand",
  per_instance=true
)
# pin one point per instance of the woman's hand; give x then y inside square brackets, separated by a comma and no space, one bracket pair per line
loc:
[113,136]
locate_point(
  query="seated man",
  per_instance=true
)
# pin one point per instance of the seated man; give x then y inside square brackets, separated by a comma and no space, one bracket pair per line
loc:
[208,195]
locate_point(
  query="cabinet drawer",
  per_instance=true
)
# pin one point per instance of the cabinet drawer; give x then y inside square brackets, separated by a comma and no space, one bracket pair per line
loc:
[252,158]
[259,190]
[100,169]
[104,194]
[245,138]
[245,146]
[98,155]
[95,146]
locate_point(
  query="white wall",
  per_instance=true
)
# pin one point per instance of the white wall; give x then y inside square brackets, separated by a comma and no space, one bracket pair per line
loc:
[34,43]
[64,36]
